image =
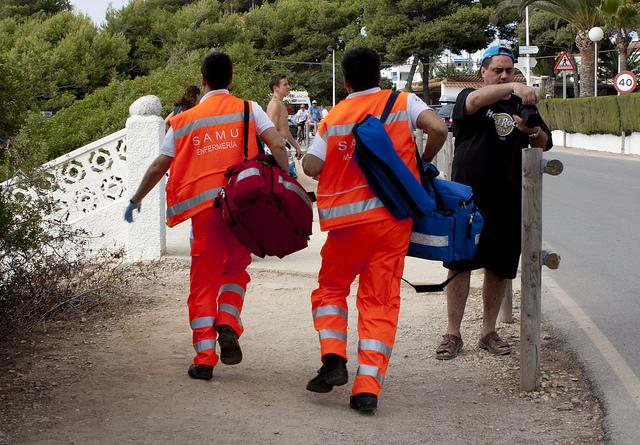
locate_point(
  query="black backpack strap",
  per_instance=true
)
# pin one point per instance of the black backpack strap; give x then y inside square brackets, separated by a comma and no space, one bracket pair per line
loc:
[422,288]
[246,130]
[389,105]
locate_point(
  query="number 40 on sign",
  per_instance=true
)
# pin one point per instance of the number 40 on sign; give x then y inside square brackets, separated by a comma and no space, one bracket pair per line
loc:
[625,82]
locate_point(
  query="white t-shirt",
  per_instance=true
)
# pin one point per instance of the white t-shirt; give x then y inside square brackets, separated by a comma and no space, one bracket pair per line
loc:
[324,113]
[302,116]
[263,123]
[415,106]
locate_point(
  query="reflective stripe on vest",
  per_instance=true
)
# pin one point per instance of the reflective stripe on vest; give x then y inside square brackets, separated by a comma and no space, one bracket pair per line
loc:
[331,309]
[345,129]
[350,209]
[369,344]
[190,203]
[202,322]
[343,191]
[372,371]
[209,121]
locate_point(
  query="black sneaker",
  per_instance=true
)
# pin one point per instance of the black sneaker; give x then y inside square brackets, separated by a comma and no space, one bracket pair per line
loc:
[364,402]
[230,352]
[202,372]
[332,373]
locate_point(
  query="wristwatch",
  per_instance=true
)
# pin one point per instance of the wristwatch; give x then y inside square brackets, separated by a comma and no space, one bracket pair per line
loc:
[534,134]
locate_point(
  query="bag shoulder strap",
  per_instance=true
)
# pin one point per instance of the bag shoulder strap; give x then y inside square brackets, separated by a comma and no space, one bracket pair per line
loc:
[422,288]
[246,130]
[426,180]
[388,106]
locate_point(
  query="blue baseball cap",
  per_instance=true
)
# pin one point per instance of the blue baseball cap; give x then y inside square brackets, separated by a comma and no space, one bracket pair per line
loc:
[497,50]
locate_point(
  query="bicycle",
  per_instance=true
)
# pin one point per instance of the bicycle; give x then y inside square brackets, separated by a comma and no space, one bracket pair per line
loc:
[302,133]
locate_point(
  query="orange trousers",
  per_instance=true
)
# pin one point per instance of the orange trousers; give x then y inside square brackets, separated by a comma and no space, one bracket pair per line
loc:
[219,281]
[375,252]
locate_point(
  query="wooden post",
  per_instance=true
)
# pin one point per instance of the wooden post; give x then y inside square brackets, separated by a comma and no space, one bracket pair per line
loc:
[506,308]
[533,257]
[445,157]
[530,307]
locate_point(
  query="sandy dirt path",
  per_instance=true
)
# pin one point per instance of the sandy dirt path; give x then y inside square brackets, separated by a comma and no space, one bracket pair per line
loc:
[123,379]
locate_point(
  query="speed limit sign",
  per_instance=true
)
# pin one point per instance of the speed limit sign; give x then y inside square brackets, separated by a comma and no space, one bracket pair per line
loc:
[625,82]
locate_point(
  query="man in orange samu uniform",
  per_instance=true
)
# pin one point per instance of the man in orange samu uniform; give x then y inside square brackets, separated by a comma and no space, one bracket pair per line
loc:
[364,238]
[201,143]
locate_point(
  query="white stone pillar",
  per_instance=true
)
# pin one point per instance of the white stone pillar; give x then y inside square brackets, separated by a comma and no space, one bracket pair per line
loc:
[145,132]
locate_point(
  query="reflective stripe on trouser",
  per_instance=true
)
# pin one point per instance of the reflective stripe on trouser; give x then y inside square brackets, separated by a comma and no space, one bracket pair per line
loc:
[218,282]
[376,252]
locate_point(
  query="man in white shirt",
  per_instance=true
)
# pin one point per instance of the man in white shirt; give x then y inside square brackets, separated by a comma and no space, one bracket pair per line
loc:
[301,118]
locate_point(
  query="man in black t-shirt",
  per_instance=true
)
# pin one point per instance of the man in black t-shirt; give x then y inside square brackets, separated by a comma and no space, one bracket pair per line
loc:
[489,138]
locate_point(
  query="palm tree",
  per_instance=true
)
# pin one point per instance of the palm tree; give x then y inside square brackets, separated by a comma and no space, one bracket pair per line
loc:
[621,16]
[582,15]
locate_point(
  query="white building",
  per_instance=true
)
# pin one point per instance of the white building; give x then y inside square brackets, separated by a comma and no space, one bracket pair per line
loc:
[399,74]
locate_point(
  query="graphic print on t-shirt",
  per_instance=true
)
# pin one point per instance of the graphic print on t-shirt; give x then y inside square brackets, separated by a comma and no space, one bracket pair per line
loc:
[504,123]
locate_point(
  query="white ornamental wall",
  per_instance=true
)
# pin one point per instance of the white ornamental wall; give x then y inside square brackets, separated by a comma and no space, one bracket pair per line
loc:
[93,185]
[92,190]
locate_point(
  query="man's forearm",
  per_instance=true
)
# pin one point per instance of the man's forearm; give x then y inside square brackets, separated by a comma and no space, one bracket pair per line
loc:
[436,131]
[435,141]
[289,137]
[152,176]
[487,95]
[280,155]
[540,141]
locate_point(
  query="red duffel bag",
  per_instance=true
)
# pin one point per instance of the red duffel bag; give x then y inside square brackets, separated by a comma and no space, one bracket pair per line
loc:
[264,208]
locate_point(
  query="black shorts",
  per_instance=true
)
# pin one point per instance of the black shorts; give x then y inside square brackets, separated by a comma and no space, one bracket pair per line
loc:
[500,243]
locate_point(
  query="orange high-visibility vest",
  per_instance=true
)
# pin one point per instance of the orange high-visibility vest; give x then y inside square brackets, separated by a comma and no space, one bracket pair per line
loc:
[344,196]
[208,138]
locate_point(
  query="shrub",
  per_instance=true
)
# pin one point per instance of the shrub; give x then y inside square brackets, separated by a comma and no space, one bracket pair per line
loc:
[106,110]
[45,267]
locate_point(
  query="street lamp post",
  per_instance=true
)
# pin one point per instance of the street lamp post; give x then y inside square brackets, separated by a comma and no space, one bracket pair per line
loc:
[333,75]
[595,35]
[526,25]
[333,71]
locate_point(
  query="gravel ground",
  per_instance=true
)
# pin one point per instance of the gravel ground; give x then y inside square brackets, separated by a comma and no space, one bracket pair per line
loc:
[118,375]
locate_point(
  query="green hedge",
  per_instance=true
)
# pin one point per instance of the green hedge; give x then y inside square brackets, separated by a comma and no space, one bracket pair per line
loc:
[593,115]
[630,112]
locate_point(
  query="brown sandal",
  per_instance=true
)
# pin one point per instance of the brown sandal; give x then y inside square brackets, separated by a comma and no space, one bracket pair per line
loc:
[494,344]
[449,347]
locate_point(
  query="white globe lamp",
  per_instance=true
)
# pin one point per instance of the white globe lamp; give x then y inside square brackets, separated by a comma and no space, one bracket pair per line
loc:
[595,35]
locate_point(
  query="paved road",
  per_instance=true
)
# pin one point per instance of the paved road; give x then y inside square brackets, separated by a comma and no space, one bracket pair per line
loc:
[591,215]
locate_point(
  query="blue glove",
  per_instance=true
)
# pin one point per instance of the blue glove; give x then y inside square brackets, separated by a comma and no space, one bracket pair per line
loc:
[128,214]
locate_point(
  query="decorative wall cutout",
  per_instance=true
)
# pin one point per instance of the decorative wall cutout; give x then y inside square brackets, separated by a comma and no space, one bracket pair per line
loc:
[91,179]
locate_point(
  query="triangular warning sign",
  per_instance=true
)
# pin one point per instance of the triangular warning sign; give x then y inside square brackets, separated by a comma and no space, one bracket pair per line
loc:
[564,63]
